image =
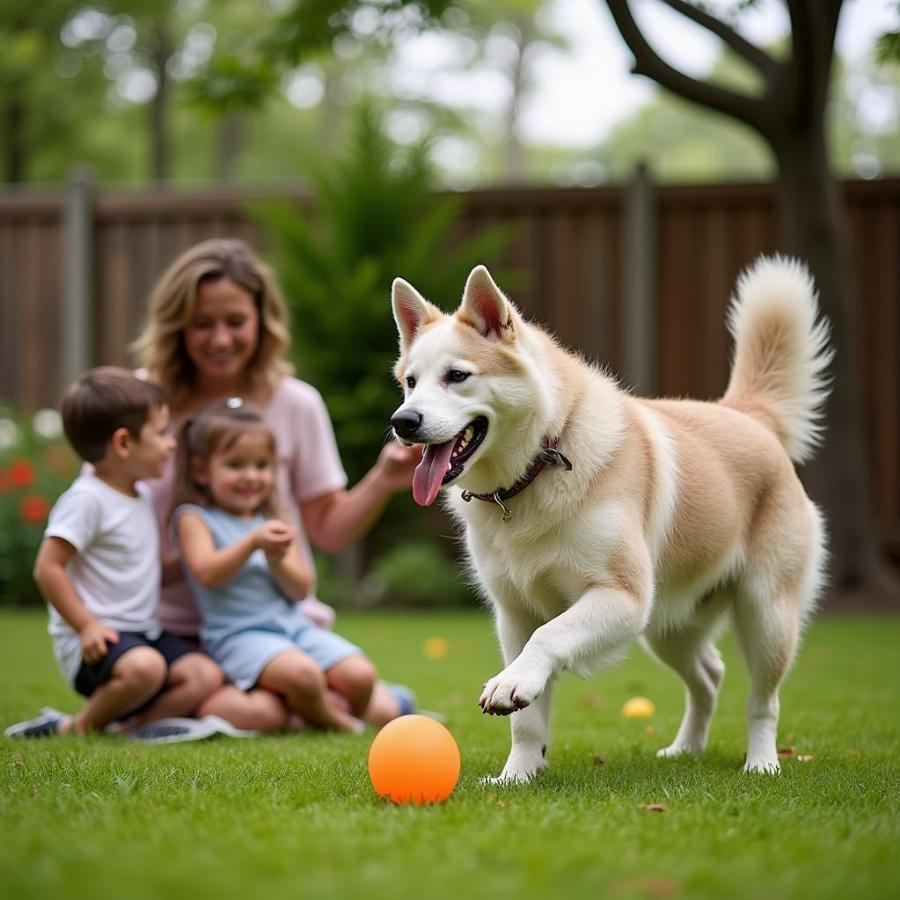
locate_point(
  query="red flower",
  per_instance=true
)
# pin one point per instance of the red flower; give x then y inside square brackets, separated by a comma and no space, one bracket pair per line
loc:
[34,509]
[21,473]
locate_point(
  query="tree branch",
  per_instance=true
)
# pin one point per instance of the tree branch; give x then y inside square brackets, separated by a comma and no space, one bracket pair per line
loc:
[647,62]
[758,58]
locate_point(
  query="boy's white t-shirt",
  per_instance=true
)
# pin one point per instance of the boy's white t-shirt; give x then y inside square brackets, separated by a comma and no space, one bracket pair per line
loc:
[116,570]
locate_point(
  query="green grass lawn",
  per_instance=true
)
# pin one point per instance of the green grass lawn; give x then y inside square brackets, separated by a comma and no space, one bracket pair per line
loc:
[288,817]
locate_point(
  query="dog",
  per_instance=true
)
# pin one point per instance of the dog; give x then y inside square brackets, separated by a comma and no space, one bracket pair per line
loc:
[593,517]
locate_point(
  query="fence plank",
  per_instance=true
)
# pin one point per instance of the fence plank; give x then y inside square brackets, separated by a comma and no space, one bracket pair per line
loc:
[567,255]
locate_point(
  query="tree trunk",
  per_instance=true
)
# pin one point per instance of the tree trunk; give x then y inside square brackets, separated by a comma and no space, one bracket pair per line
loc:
[159,105]
[513,151]
[14,128]
[813,227]
[231,139]
[791,116]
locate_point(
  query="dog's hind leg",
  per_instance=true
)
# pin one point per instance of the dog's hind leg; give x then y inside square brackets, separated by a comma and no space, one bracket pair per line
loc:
[691,653]
[768,632]
[529,726]
[777,595]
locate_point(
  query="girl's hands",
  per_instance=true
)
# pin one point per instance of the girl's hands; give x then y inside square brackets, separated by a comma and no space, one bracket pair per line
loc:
[274,537]
[94,638]
[278,540]
[396,464]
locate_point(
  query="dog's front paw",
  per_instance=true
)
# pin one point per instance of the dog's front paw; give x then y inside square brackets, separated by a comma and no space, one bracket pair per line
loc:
[520,768]
[511,778]
[509,691]
[763,766]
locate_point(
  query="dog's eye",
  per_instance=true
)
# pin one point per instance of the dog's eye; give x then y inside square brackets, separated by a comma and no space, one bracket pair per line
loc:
[410,382]
[455,376]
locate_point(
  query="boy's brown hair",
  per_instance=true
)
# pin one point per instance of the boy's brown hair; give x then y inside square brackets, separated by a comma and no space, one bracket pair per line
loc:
[102,401]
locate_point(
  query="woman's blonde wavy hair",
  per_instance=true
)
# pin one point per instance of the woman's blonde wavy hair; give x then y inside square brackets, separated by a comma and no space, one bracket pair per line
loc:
[160,348]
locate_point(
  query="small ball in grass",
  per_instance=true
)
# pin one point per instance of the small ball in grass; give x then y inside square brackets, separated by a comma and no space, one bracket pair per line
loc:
[638,708]
[414,760]
[435,648]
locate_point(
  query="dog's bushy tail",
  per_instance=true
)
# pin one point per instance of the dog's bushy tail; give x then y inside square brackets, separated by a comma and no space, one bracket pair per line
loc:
[781,353]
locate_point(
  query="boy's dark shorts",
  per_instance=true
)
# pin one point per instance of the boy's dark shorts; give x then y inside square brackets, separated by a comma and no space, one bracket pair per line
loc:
[92,675]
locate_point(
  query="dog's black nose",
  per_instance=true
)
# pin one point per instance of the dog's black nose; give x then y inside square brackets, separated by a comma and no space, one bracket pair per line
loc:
[406,423]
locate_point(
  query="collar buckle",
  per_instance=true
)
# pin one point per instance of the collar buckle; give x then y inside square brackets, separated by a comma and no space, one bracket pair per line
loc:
[548,455]
[553,457]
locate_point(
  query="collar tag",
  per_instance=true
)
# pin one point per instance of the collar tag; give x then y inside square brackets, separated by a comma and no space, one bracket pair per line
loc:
[507,512]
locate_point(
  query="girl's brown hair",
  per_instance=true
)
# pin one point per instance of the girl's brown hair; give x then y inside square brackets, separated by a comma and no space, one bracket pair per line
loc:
[160,347]
[216,430]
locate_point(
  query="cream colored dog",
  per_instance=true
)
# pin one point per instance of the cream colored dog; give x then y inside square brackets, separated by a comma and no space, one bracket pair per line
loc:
[593,517]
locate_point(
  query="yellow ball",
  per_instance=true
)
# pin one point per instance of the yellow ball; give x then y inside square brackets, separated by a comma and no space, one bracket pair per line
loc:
[414,760]
[638,708]
[435,648]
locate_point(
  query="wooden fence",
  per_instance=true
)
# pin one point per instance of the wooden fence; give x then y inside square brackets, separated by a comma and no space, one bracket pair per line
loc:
[587,259]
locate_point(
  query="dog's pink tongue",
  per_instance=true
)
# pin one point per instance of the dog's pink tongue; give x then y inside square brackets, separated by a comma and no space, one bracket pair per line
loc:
[430,473]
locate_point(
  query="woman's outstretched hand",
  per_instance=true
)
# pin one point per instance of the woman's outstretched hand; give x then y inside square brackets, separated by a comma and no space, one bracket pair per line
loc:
[396,464]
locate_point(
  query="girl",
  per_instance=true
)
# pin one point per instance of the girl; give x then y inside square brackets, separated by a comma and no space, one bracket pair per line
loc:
[247,575]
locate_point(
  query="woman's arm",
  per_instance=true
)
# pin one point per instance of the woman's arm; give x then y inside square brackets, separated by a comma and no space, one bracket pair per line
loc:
[210,565]
[336,519]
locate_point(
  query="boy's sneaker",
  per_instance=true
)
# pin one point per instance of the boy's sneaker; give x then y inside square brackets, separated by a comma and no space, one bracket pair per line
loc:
[225,728]
[406,700]
[171,731]
[45,724]
[403,697]
[174,730]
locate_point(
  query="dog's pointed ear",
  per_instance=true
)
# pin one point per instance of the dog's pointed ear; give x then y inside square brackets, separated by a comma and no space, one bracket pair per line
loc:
[486,309]
[411,311]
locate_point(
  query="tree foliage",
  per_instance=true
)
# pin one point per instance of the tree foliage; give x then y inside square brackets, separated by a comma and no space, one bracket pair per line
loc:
[35,67]
[375,215]
[68,72]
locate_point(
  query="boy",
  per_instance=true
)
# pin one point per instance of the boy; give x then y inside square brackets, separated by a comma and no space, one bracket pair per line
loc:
[99,567]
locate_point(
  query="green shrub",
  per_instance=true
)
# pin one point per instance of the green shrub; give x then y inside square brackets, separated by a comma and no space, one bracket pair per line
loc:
[412,574]
[333,586]
[417,573]
[375,217]
[36,466]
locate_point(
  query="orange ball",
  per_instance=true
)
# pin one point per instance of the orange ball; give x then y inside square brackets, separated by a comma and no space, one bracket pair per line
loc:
[414,759]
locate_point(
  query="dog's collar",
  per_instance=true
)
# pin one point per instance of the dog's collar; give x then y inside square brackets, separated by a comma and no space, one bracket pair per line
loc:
[548,455]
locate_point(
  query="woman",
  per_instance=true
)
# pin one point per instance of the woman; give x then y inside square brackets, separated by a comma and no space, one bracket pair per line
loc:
[218,327]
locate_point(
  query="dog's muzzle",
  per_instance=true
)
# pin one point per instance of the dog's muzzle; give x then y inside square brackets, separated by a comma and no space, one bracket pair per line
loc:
[407,423]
